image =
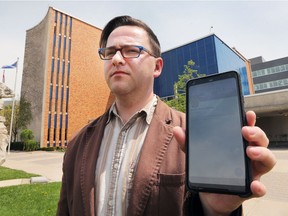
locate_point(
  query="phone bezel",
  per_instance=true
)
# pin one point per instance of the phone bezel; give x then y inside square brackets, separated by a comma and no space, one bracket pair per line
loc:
[216,188]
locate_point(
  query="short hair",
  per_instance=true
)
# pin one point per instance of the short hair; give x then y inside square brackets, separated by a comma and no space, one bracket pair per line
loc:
[129,21]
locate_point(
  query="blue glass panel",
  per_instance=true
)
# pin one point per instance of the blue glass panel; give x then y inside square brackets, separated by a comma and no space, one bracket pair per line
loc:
[55,120]
[70,32]
[59,45]
[56,93]
[54,43]
[61,16]
[61,118]
[52,65]
[66,121]
[62,93]
[64,45]
[63,68]
[201,52]
[229,60]
[49,120]
[66,19]
[69,49]
[210,54]
[68,69]
[58,65]
[51,92]
[67,95]
[56,14]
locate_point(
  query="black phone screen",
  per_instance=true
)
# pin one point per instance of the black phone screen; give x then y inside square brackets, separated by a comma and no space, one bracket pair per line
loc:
[216,149]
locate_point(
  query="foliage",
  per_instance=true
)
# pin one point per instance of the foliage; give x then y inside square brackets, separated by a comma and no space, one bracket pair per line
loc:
[30,200]
[7,174]
[22,116]
[179,101]
[31,145]
[26,137]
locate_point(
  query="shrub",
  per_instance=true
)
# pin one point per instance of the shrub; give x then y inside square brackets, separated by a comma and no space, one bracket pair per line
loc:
[26,134]
[31,145]
[26,137]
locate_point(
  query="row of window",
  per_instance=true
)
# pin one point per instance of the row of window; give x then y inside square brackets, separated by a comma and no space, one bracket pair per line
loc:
[271,84]
[61,77]
[271,70]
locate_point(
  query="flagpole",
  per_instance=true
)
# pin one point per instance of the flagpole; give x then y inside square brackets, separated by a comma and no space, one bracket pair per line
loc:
[13,106]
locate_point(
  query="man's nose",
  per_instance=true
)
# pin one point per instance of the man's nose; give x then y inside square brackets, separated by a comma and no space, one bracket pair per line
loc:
[118,58]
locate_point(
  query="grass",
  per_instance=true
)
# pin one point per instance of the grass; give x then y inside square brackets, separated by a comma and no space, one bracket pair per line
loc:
[29,200]
[7,174]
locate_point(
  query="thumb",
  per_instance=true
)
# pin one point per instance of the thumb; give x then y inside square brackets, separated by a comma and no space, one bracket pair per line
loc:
[180,136]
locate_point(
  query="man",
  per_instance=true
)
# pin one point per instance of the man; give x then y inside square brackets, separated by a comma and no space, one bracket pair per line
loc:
[131,160]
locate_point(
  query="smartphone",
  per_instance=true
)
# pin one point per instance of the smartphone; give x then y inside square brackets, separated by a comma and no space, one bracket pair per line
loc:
[216,157]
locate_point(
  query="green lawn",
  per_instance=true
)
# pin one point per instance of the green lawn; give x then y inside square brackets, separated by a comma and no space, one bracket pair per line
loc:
[7,174]
[29,200]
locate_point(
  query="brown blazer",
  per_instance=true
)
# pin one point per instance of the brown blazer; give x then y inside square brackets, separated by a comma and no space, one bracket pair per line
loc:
[159,184]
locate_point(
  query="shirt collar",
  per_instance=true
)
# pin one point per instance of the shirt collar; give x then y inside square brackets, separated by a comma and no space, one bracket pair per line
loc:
[148,109]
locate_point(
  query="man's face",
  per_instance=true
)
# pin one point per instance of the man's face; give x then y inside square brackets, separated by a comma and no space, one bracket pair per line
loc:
[131,76]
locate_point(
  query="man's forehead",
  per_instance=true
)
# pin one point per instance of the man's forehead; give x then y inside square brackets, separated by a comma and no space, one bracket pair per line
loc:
[128,34]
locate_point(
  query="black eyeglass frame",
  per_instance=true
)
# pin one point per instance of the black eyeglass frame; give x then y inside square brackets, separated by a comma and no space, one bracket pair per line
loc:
[141,48]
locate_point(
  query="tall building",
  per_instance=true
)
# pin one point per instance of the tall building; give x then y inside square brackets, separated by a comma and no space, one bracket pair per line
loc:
[211,55]
[63,77]
[269,75]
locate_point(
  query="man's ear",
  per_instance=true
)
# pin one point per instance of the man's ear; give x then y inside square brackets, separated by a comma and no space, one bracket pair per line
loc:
[158,67]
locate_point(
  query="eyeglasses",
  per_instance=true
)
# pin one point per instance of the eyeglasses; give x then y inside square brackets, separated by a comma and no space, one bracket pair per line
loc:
[128,51]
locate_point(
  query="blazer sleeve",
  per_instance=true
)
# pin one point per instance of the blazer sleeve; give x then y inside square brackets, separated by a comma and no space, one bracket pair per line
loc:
[63,201]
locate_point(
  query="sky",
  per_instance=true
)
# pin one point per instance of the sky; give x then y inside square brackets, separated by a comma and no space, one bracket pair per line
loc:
[254,28]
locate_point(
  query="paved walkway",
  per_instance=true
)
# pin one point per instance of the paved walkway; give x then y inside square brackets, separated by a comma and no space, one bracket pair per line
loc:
[45,163]
[49,165]
[275,202]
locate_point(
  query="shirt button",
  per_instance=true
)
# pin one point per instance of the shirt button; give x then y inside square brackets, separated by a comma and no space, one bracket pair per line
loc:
[110,203]
[116,166]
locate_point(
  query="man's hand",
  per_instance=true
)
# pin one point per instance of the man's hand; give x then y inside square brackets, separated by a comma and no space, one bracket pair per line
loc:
[262,159]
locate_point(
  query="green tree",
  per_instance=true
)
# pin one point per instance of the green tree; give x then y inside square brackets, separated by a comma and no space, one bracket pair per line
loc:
[22,116]
[179,101]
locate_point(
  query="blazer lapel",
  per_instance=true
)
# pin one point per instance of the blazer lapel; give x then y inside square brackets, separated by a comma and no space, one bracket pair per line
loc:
[91,144]
[156,142]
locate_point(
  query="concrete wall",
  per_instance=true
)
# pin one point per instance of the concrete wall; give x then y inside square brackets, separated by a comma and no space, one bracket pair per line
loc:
[272,112]
[33,78]
[276,128]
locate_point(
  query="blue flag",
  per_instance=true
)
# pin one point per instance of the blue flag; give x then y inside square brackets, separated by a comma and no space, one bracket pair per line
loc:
[10,66]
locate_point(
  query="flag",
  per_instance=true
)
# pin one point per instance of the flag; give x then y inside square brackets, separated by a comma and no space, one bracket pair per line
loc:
[10,66]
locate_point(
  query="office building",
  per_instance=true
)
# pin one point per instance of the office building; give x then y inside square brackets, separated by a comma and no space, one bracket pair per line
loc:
[211,55]
[269,75]
[63,77]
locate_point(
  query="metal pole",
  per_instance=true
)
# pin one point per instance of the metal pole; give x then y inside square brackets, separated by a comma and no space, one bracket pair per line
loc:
[13,106]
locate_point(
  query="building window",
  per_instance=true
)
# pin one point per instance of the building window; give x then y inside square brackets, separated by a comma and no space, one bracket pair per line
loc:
[268,71]
[272,84]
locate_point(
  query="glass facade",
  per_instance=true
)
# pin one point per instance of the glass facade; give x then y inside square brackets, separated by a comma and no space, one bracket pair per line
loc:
[210,54]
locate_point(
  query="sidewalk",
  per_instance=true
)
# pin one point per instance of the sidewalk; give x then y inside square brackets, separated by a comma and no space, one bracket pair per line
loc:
[46,164]
[276,199]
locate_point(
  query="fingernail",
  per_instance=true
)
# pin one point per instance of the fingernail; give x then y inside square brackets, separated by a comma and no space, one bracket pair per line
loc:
[255,151]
